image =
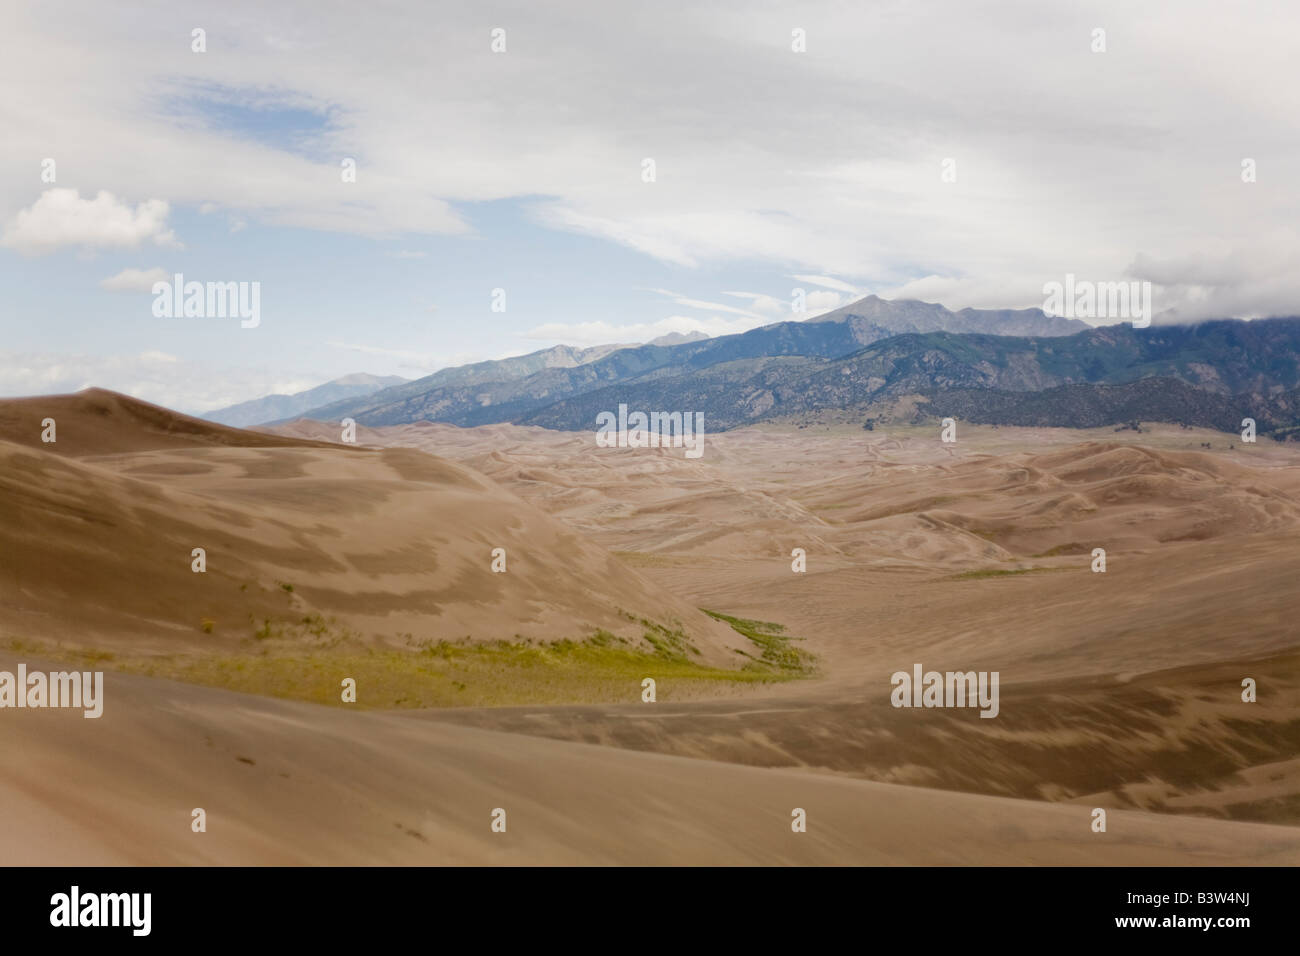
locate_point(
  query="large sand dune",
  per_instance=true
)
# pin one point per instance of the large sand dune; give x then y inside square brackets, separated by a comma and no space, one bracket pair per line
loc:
[389,547]
[969,556]
[290,783]
[1120,690]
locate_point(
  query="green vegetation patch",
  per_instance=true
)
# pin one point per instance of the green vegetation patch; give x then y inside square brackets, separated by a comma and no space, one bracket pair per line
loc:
[776,648]
[1003,572]
[309,659]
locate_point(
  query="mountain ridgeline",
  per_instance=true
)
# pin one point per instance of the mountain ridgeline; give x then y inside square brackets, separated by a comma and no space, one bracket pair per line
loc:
[273,407]
[891,361]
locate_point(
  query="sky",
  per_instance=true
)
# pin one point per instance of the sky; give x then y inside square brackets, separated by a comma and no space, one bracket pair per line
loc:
[953,152]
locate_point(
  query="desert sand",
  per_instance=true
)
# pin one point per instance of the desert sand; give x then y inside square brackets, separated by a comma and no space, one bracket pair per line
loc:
[1120,690]
[289,783]
[374,543]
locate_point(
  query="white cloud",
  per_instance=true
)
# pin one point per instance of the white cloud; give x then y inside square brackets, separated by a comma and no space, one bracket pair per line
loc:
[821,302]
[423,358]
[607,333]
[152,375]
[703,304]
[825,164]
[826,282]
[60,217]
[411,360]
[136,280]
[769,305]
[774,310]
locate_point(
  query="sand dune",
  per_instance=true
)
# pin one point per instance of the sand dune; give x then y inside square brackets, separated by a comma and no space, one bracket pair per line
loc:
[1120,690]
[380,547]
[1179,740]
[976,556]
[99,422]
[291,783]
[898,535]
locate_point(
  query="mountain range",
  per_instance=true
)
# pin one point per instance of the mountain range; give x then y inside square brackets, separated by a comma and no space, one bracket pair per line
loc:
[275,408]
[880,360]
[1212,375]
[272,407]
[515,389]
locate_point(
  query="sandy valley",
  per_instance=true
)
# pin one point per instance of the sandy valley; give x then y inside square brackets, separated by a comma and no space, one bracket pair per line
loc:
[521,688]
